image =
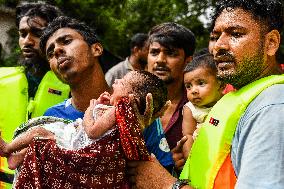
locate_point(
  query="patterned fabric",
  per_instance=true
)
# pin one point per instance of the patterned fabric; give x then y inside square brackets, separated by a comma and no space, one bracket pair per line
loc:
[100,165]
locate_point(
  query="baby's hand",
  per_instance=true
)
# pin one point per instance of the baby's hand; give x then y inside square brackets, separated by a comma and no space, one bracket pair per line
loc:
[103,99]
[88,118]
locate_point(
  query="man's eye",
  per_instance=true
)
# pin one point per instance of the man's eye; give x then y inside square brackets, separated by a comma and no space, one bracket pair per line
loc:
[50,55]
[236,34]
[23,34]
[67,41]
[213,38]
[153,53]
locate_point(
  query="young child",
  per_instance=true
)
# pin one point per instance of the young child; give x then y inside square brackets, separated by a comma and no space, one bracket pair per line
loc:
[89,153]
[203,91]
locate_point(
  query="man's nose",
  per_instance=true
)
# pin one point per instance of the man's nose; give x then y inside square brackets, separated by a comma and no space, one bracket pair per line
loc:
[58,50]
[222,43]
[161,58]
[29,40]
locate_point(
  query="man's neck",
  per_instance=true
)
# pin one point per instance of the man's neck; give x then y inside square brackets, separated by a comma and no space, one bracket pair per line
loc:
[89,89]
[175,91]
[175,95]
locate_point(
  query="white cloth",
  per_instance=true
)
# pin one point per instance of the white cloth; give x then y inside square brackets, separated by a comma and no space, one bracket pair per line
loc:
[198,113]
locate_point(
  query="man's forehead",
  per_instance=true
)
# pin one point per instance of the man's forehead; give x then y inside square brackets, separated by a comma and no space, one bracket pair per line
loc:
[234,18]
[32,22]
[158,45]
[62,33]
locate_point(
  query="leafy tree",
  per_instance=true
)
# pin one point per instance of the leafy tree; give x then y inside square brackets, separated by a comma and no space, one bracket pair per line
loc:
[118,20]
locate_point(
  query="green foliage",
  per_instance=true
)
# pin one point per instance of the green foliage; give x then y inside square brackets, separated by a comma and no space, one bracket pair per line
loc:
[11,59]
[116,21]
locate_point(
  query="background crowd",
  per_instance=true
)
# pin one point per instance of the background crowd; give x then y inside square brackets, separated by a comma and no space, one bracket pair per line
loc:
[63,66]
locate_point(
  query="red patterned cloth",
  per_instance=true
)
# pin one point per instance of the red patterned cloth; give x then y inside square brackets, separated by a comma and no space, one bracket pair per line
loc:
[99,165]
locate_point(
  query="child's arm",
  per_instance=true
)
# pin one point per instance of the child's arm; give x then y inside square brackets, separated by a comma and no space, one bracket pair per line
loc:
[188,128]
[23,140]
[95,129]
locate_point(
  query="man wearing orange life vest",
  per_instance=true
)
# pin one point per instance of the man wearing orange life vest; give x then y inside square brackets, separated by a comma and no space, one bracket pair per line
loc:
[250,147]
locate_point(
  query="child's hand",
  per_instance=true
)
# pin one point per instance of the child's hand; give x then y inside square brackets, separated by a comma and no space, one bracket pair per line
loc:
[104,99]
[88,118]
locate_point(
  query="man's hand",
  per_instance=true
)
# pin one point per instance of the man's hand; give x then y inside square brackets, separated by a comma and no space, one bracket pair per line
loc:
[147,118]
[178,156]
[149,174]
[16,159]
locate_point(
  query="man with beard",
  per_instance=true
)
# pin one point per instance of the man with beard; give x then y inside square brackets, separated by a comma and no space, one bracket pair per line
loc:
[241,143]
[28,90]
[136,61]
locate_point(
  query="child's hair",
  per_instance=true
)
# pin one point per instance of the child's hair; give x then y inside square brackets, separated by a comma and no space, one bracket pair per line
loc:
[205,60]
[149,83]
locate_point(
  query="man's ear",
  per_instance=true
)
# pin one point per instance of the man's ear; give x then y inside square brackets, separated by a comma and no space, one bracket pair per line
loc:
[97,49]
[272,42]
[135,50]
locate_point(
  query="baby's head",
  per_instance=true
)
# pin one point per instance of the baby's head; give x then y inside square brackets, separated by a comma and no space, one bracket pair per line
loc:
[140,83]
[201,83]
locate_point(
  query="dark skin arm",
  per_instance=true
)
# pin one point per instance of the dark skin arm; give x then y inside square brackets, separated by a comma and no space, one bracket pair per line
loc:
[16,150]
[150,174]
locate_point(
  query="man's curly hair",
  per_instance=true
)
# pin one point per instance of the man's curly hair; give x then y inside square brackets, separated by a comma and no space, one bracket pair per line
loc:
[269,13]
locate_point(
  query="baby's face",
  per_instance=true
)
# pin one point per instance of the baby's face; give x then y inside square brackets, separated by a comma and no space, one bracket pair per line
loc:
[202,87]
[123,87]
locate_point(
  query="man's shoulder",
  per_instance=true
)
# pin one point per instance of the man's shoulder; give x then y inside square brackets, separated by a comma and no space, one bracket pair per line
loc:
[272,95]
[56,107]
[118,67]
[64,110]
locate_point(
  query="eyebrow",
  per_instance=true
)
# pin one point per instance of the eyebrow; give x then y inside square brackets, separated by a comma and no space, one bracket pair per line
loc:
[231,28]
[58,40]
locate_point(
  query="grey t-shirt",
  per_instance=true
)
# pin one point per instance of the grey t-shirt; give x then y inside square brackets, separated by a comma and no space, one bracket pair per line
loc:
[258,145]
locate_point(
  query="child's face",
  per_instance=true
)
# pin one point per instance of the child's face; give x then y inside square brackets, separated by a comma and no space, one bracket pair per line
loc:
[122,87]
[202,87]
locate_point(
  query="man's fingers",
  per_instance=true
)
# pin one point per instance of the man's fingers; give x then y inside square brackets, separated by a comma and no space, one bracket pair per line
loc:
[179,164]
[163,109]
[16,159]
[134,105]
[149,109]
[179,145]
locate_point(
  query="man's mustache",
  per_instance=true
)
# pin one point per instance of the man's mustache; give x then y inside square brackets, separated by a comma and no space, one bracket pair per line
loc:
[224,56]
[161,68]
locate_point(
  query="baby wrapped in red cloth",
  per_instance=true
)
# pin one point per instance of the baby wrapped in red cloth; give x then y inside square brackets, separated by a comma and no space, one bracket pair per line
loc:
[112,139]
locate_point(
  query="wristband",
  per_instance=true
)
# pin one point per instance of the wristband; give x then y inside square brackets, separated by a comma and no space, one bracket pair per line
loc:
[179,183]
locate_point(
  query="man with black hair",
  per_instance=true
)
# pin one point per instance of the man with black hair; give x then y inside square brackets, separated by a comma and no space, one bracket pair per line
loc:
[171,47]
[29,89]
[240,145]
[136,61]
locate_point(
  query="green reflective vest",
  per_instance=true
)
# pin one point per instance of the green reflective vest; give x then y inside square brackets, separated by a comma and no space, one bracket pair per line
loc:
[214,140]
[15,105]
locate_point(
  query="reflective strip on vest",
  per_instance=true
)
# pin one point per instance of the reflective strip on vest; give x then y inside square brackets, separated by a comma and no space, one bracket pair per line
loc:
[214,140]
[50,91]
